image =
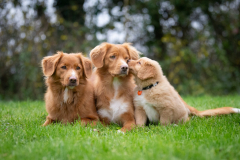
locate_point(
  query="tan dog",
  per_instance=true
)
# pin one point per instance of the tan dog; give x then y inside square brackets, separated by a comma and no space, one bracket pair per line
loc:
[157,100]
[113,85]
[69,96]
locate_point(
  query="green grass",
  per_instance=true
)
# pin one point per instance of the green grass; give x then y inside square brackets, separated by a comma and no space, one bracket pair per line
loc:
[22,137]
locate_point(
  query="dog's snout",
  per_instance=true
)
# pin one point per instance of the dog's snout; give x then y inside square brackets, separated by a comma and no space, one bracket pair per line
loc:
[124,67]
[72,79]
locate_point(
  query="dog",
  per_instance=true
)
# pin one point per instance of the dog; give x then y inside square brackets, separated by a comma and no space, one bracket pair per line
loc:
[69,96]
[113,85]
[156,100]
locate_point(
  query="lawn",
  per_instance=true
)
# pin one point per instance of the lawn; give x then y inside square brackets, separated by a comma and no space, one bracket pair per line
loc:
[23,137]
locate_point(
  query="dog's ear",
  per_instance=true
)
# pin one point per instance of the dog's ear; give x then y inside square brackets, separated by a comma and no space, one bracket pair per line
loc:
[87,65]
[133,53]
[50,63]
[98,53]
[146,71]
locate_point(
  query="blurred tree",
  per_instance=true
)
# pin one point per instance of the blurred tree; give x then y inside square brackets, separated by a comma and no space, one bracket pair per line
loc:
[27,35]
[197,43]
[71,11]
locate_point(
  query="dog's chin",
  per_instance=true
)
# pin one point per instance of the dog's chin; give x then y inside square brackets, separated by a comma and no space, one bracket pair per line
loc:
[71,86]
[121,74]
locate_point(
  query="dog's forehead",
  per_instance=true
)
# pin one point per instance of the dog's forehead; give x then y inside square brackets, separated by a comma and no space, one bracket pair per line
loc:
[146,60]
[119,49]
[149,62]
[70,59]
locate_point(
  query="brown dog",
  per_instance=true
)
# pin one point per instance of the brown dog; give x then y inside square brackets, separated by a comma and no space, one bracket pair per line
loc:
[157,100]
[69,96]
[113,85]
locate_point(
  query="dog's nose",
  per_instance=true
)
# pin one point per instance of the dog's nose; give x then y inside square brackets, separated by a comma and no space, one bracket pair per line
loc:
[128,60]
[124,67]
[72,79]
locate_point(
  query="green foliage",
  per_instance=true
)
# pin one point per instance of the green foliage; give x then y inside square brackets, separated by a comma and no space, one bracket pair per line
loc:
[23,137]
[22,47]
[197,43]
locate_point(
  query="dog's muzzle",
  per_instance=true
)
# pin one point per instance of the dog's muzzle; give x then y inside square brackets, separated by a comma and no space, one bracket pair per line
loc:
[124,69]
[72,81]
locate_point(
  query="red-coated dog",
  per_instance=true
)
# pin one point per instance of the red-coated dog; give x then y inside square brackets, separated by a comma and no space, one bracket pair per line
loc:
[113,85]
[69,96]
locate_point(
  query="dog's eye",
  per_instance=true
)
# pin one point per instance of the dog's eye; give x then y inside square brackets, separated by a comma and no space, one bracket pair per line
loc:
[112,57]
[77,68]
[139,62]
[64,67]
[126,58]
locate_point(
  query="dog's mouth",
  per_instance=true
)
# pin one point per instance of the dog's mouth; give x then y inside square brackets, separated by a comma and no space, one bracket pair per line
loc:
[124,72]
[121,74]
[71,85]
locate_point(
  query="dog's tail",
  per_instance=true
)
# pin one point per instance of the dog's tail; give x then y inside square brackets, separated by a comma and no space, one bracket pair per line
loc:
[211,112]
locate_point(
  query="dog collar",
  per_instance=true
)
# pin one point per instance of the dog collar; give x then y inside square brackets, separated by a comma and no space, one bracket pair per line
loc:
[148,87]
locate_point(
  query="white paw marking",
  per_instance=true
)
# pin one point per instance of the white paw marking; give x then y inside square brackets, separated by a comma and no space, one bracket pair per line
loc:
[119,131]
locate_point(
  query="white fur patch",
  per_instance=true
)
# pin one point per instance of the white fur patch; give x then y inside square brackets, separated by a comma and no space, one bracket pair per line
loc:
[73,73]
[119,131]
[151,112]
[236,110]
[105,113]
[117,105]
[124,63]
[65,95]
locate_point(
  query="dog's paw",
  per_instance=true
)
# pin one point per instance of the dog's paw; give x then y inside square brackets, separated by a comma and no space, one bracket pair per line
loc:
[94,130]
[121,132]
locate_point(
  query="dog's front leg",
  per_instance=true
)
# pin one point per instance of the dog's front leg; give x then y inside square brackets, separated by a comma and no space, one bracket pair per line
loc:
[128,122]
[166,117]
[48,121]
[105,121]
[91,119]
[140,116]
[85,121]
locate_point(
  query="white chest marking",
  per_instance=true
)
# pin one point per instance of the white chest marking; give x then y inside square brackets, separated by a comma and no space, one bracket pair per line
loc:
[65,95]
[151,112]
[117,105]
